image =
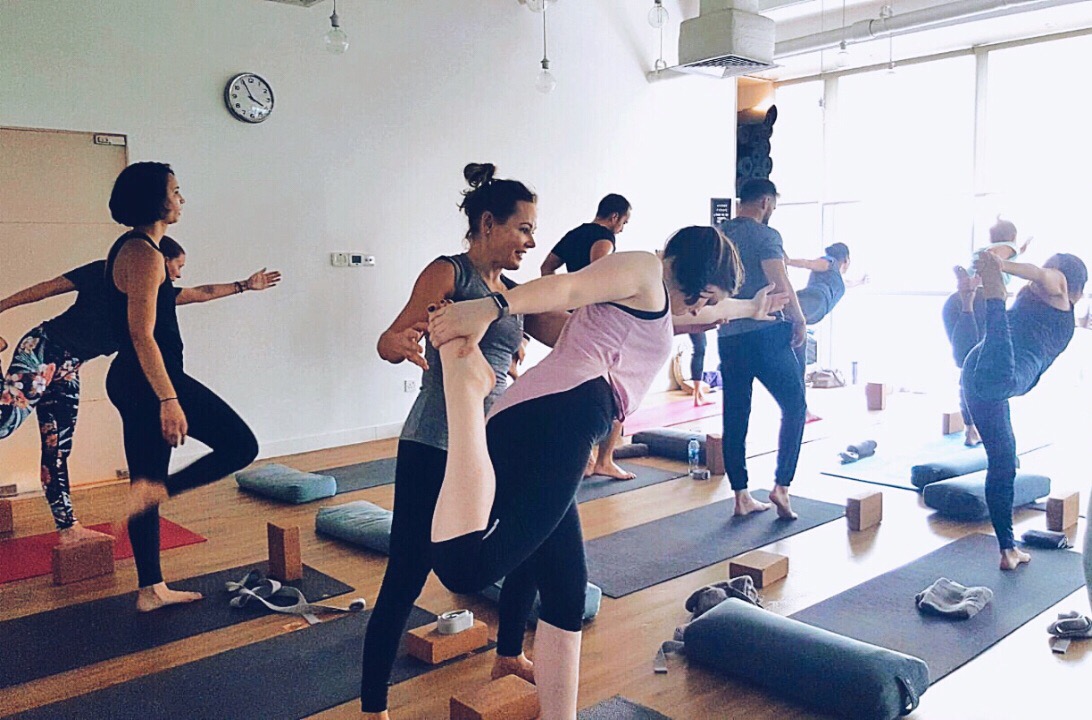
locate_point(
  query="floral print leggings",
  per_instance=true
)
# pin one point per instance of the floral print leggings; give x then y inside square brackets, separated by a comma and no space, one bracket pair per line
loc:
[47,377]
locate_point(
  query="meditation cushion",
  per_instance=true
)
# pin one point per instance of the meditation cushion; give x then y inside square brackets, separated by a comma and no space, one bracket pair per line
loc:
[816,668]
[964,498]
[670,443]
[286,484]
[593,598]
[359,523]
[964,463]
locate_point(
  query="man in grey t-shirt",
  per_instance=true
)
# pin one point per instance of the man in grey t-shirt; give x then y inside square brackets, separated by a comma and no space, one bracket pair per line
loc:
[751,350]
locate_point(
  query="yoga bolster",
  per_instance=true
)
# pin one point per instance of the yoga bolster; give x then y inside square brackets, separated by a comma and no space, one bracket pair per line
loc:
[359,523]
[816,668]
[964,498]
[286,484]
[593,598]
[970,461]
[670,443]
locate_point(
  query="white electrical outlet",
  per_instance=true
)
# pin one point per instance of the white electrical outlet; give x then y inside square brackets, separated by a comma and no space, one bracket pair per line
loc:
[339,259]
[409,386]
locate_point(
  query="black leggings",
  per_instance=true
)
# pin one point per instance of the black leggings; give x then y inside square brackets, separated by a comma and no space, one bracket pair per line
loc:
[419,474]
[148,455]
[697,360]
[539,449]
[964,331]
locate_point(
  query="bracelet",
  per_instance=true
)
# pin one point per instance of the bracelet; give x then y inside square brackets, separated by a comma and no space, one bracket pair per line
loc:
[174,397]
[502,304]
[238,287]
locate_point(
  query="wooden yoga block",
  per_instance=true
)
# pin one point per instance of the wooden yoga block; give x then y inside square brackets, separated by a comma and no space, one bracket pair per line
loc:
[285,560]
[82,560]
[9,491]
[714,453]
[876,395]
[7,517]
[1062,512]
[953,423]
[765,568]
[864,510]
[424,643]
[507,698]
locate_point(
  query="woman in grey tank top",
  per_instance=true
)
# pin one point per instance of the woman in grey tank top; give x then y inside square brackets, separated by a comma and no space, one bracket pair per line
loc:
[501,216]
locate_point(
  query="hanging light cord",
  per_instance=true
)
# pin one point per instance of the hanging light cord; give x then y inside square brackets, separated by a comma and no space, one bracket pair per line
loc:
[545,59]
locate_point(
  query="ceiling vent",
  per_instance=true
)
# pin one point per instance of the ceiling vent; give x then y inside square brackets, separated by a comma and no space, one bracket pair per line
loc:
[298,3]
[728,38]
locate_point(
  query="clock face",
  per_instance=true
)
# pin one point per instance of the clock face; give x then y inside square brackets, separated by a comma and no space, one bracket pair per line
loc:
[249,98]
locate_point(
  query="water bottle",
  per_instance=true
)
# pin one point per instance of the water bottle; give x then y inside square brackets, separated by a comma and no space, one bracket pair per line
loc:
[693,457]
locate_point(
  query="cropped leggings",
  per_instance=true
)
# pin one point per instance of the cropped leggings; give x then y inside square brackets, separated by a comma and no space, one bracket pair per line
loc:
[148,455]
[419,475]
[46,377]
[539,449]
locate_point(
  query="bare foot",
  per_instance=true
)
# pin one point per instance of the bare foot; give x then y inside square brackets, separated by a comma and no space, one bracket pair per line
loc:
[700,398]
[589,468]
[779,496]
[611,469]
[988,267]
[143,496]
[376,716]
[1013,558]
[972,438]
[76,532]
[518,666]
[159,595]
[465,367]
[811,417]
[745,504]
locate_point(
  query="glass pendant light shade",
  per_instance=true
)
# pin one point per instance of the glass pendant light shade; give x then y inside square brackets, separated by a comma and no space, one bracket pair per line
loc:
[657,16]
[842,58]
[536,5]
[545,82]
[336,40]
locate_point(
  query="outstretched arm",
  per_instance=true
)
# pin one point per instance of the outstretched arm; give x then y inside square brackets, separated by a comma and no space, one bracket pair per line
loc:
[760,307]
[34,293]
[818,265]
[1049,279]
[260,280]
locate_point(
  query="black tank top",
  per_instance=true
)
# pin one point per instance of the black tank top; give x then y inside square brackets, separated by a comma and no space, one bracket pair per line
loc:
[166,333]
[1039,332]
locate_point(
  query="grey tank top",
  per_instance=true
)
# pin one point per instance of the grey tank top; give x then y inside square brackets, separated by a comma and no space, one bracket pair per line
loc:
[427,420]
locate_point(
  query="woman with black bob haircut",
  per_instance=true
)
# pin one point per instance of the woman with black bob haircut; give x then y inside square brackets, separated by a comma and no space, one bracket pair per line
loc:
[160,405]
[507,503]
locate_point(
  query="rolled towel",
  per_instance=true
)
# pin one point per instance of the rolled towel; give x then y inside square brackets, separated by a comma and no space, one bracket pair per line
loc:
[950,599]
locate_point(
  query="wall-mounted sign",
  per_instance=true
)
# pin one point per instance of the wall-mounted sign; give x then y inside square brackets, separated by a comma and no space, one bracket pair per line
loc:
[720,211]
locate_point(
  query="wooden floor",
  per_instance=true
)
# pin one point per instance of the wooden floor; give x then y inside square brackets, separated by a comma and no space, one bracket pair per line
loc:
[1018,678]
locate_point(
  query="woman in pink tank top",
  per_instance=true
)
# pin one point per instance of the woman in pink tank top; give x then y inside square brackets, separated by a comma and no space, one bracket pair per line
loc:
[507,502]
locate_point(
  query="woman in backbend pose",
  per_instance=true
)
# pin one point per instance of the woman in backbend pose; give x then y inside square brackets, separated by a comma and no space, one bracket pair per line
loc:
[501,216]
[507,501]
[964,310]
[1017,348]
[45,372]
[159,403]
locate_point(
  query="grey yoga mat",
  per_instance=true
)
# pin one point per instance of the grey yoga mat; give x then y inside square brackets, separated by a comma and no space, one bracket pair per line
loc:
[881,611]
[618,708]
[362,475]
[639,557]
[290,676]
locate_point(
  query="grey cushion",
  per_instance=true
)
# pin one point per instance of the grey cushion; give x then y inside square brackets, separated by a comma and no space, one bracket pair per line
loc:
[816,668]
[670,443]
[964,498]
[593,598]
[965,463]
[359,523]
[286,484]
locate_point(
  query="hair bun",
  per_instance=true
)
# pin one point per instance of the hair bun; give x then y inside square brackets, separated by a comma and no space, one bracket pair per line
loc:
[478,174]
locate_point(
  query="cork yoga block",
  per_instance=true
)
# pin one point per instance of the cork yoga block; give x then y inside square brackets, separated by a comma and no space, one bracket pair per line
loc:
[864,510]
[952,422]
[7,517]
[876,395]
[1062,512]
[764,567]
[285,560]
[82,560]
[714,453]
[426,644]
[507,698]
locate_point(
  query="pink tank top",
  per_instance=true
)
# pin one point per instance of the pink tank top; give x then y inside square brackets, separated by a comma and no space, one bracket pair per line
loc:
[600,341]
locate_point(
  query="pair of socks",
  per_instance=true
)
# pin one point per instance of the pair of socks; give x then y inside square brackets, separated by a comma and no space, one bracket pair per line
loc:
[948,598]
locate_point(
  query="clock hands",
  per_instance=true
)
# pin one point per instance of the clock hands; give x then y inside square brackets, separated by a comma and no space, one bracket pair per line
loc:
[256,100]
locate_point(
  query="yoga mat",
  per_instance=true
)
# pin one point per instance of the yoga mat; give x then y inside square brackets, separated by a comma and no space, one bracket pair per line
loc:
[618,708]
[882,610]
[639,557]
[290,676]
[891,464]
[362,475]
[111,627]
[31,556]
[671,413]
[598,486]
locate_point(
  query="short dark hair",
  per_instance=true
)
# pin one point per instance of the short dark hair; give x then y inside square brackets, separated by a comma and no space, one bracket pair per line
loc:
[170,248]
[139,196]
[613,204]
[487,194]
[756,189]
[838,251]
[1076,274]
[701,256]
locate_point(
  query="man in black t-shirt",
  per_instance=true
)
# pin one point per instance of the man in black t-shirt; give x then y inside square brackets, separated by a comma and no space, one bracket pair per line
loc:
[584,245]
[579,248]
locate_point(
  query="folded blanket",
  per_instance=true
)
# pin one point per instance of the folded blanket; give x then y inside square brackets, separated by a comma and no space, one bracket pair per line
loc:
[950,599]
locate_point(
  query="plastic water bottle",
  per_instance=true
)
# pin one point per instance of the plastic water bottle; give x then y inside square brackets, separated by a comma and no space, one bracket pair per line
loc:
[693,457]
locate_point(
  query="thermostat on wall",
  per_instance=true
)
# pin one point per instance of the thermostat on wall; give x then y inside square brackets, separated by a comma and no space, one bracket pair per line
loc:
[358,260]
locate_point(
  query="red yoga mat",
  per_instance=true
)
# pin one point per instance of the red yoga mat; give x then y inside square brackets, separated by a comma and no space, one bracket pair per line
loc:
[668,414]
[31,556]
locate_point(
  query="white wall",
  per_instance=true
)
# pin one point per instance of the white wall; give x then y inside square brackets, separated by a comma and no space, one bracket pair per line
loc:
[363,152]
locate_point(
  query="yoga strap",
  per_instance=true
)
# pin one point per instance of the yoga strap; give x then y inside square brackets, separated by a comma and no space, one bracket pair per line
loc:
[254,587]
[669,647]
